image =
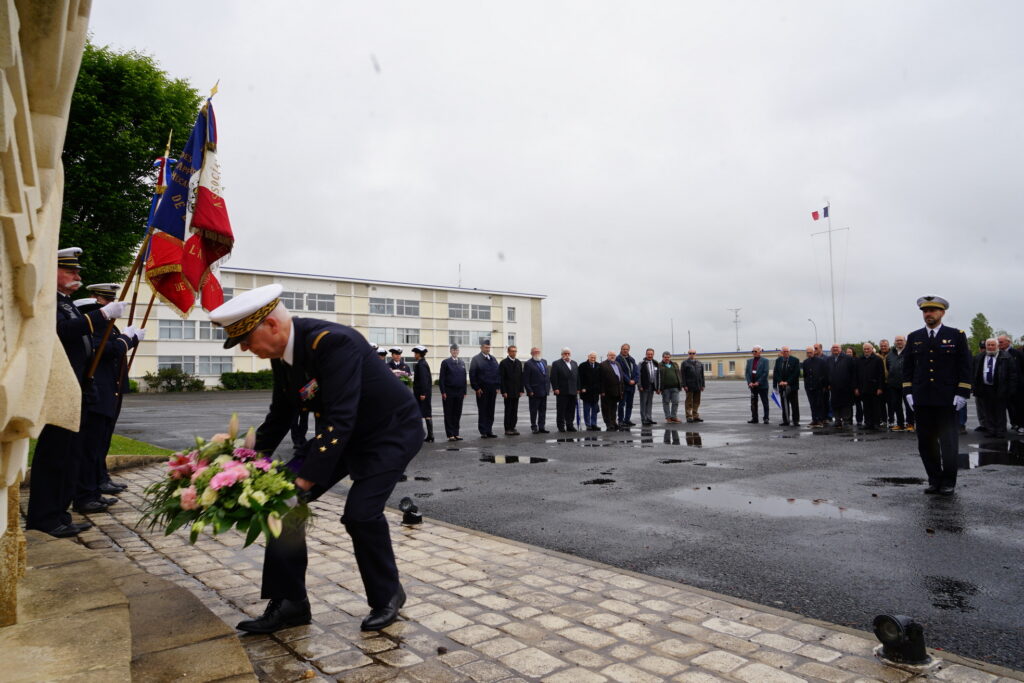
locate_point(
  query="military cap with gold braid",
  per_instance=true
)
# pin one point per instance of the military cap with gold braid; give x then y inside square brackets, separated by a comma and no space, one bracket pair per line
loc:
[932,302]
[108,290]
[68,258]
[245,312]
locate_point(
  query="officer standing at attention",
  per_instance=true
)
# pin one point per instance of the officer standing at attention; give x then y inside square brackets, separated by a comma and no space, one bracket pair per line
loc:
[367,427]
[422,387]
[937,384]
[59,451]
[451,382]
[485,379]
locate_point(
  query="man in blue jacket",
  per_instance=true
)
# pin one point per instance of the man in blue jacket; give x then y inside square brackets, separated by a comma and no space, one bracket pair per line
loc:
[451,382]
[485,379]
[630,376]
[536,385]
[756,374]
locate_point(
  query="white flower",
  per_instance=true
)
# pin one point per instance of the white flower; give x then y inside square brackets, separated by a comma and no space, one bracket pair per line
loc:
[208,498]
[260,497]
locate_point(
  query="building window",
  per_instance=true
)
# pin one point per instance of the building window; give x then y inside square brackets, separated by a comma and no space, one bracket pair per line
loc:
[380,306]
[229,292]
[481,337]
[460,337]
[707,367]
[292,300]
[177,329]
[480,312]
[183,363]
[215,365]
[382,336]
[208,330]
[511,315]
[319,302]
[458,311]
[407,307]
[406,335]
[732,367]
[511,338]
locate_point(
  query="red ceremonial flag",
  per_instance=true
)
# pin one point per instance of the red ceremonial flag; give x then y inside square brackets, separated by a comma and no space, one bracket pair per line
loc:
[213,294]
[815,215]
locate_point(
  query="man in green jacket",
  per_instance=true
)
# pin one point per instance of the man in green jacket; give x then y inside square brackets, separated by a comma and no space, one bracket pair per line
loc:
[671,383]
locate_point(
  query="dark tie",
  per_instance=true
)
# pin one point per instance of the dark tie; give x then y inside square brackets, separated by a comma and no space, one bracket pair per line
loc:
[988,371]
[931,334]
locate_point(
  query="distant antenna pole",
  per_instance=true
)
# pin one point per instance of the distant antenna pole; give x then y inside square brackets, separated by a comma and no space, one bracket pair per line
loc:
[736,322]
[460,276]
[689,341]
[672,323]
[831,269]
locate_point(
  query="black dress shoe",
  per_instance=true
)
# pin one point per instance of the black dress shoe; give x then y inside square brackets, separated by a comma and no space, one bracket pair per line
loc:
[111,489]
[109,501]
[783,424]
[63,531]
[946,491]
[752,422]
[90,507]
[81,526]
[698,419]
[383,617]
[280,614]
[543,431]
[570,429]
[766,420]
[932,490]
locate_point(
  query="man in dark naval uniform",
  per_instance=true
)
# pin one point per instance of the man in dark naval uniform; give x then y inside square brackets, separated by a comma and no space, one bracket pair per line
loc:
[937,384]
[451,382]
[367,427]
[422,388]
[59,451]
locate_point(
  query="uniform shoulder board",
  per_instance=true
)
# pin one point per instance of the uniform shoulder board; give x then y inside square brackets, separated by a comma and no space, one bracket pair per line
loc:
[318,338]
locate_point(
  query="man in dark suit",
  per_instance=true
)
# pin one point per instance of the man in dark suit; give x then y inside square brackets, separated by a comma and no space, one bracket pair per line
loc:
[870,386]
[786,381]
[510,371]
[367,428]
[422,389]
[486,382]
[58,451]
[536,384]
[590,391]
[612,386]
[649,385]
[937,383]
[564,382]
[815,382]
[1016,404]
[451,382]
[842,377]
[693,385]
[756,374]
[630,377]
[995,381]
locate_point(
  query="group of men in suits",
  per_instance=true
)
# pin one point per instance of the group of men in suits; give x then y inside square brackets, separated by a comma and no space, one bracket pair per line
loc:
[69,468]
[997,380]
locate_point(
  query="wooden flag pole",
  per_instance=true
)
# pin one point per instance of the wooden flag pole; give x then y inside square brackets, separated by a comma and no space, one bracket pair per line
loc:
[145,319]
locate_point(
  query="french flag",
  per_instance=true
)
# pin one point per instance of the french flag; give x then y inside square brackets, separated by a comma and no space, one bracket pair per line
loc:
[820,214]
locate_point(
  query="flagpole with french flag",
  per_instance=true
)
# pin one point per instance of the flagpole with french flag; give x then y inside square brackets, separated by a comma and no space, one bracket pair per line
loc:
[816,215]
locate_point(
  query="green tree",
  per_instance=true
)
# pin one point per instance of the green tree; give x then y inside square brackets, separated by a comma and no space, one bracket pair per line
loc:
[122,109]
[980,331]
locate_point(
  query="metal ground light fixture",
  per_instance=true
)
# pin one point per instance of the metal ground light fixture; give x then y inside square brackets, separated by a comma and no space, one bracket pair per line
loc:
[902,641]
[410,513]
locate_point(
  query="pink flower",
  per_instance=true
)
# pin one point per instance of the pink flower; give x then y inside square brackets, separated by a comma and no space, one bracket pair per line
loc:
[180,466]
[188,498]
[219,438]
[263,464]
[201,467]
[231,475]
[244,454]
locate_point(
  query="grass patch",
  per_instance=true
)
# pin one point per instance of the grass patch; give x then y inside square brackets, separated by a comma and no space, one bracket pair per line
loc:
[119,445]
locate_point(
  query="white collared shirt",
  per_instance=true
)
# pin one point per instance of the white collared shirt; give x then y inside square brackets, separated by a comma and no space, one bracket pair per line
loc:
[289,349]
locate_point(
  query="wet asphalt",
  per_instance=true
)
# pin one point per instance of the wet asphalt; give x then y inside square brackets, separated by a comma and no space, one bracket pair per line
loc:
[833,526]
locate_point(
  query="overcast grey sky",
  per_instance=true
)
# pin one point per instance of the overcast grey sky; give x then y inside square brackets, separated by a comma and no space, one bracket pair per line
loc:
[635,162]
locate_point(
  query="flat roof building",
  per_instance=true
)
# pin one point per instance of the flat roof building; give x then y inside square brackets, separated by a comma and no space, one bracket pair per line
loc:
[387,313]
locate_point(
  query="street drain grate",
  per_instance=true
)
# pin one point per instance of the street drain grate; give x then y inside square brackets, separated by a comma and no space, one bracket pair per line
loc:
[511,460]
[598,481]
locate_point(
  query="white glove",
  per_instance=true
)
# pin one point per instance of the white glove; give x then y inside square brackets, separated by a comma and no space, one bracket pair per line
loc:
[115,309]
[910,400]
[140,333]
[129,331]
[959,402]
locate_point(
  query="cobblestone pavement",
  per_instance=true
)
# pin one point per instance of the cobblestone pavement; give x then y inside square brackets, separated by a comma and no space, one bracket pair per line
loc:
[482,608]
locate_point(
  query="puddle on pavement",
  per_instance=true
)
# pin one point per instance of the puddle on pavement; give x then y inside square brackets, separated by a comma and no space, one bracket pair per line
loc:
[895,481]
[457,488]
[729,499]
[597,481]
[718,465]
[422,478]
[1012,454]
[650,437]
[422,495]
[950,594]
[511,460]
[673,461]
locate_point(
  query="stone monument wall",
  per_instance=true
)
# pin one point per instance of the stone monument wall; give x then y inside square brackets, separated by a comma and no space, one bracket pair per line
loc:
[41,43]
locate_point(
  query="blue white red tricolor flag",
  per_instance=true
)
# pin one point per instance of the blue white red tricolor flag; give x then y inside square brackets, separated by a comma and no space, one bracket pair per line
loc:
[820,214]
[192,229]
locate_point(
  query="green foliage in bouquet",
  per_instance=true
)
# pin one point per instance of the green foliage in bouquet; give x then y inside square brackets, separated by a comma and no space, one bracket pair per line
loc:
[222,484]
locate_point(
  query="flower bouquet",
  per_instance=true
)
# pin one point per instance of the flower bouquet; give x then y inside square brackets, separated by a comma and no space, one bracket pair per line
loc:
[403,376]
[223,483]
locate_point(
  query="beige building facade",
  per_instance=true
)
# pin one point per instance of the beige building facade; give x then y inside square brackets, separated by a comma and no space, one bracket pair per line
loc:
[386,313]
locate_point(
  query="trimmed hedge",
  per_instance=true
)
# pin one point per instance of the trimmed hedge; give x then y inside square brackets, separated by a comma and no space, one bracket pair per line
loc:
[241,381]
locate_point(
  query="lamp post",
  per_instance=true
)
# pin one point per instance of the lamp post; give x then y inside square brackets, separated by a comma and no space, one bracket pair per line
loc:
[815,330]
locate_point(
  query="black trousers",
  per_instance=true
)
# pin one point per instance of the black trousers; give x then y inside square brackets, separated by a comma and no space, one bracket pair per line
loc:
[485,401]
[816,397]
[842,404]
[565,410]
[872,403]
[95,441]
[790,400]
[285,559]
[937,442]
[538,411]
[992,412]
[511,411]
[755,393]
[452,407]
[894,404]
[609,410]
[54,478]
